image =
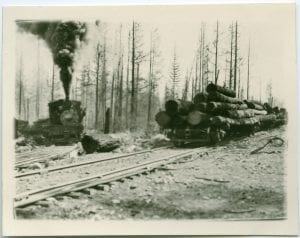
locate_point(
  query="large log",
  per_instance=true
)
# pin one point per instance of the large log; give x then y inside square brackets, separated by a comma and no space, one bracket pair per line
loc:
[254,105]
[171,107]
[240,113]
[218,97]
[182,107]
[200,97]
[256,102]
[267,121]
[266,118]
[163,119]
[178,121]
[196,117]
[268,108]
[95,143]
[258,112]
[211,88]
[220,106]
[202,107]
[219,121]
[185,107]
[247,113]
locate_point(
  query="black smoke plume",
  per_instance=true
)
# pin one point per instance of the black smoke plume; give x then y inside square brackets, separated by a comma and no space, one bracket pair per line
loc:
[63,38]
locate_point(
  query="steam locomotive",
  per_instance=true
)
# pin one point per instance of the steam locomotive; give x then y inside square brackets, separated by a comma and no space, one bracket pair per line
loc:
[63,127]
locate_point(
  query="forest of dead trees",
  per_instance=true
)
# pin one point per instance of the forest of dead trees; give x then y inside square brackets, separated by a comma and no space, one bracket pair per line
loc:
[121,80]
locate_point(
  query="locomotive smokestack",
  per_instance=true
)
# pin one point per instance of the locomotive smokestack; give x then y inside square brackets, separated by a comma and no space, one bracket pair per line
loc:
[63,39]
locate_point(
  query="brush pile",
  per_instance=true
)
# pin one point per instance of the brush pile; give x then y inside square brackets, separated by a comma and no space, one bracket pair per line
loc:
[218,112]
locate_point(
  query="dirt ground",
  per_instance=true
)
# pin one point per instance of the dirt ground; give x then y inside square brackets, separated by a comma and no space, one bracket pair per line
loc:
[227,182]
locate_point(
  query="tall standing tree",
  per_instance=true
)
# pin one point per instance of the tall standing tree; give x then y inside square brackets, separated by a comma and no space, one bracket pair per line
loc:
[174,75]
[38,82]
[104,83]
[118,105]
[235,57]
[154,72]
[97,89]
[231,56]
[270,93]
[216,54]
[248,73]
[127,84]
[202,59]
[53,83]
[133,89]
[137,57]
[20,87]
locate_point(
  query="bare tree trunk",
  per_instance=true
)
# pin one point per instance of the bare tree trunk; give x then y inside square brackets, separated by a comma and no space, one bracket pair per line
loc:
[104,84]
[193,88]
[196,75]
[98,55]
[20,87]
[137,89]
[200,62]
[27,110]
[112,100]
[239,84]
[120,106]
[216,55]
[87,93]
[260,90]
[38,84]
[150,83]
[235,56]
[127,85]
[107,121]
[248,72]
[133,109]
[52,84]
[203,66]
[231,56]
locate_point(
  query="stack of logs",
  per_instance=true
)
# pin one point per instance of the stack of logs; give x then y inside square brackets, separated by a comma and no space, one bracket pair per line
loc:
[219,108]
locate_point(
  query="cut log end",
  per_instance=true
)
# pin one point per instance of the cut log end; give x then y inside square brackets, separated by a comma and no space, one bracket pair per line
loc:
[195,117]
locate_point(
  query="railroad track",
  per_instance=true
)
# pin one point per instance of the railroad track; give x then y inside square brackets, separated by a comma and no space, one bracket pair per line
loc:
[86,163]
[42,155]
[33,196]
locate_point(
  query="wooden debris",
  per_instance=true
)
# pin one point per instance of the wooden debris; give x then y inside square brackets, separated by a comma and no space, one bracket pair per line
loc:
[95,143]
[212,180]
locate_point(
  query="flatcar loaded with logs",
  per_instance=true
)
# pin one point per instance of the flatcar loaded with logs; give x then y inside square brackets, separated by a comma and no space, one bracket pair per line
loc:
[214,115]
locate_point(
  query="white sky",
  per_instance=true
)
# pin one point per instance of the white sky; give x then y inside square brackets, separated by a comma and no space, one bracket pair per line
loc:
[269,29]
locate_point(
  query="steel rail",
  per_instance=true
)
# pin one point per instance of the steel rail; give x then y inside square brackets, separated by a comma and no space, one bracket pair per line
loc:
[40,151]
[75,185]
[48,156]
[82,164]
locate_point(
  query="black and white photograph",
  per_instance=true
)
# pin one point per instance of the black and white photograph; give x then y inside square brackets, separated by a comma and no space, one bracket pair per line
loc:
[150,114]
